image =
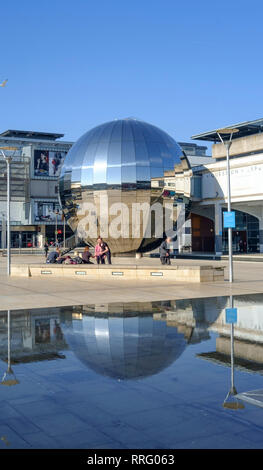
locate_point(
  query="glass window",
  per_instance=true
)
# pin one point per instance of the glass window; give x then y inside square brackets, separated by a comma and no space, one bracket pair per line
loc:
[253,233]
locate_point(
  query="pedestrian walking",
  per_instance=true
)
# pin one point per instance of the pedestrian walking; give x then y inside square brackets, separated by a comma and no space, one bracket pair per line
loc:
[46,248]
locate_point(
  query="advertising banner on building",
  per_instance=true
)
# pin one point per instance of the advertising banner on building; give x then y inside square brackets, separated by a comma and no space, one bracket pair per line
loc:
[47,212]
[48,163]
[56,160]
[41,165]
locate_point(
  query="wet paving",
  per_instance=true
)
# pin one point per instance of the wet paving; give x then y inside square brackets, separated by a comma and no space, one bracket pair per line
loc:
[138,375]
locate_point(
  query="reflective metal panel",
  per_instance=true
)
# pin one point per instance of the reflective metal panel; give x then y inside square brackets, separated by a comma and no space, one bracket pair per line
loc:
[124,160]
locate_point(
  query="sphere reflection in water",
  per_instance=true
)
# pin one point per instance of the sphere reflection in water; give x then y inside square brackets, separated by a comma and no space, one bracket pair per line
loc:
[124,347]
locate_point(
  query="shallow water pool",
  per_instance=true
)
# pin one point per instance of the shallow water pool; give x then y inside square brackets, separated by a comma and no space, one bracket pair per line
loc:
[136,375]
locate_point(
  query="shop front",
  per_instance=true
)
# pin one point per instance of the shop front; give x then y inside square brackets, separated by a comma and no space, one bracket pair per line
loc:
[203,239]
[23,237]
[245,237]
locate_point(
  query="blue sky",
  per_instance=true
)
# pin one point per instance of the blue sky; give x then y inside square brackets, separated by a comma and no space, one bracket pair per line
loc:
[187,66]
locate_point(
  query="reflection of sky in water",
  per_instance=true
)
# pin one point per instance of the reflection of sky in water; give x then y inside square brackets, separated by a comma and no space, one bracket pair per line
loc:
[73,392]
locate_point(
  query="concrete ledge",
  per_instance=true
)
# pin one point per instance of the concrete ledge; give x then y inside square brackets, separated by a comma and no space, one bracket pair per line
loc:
[113,272]
[22,270]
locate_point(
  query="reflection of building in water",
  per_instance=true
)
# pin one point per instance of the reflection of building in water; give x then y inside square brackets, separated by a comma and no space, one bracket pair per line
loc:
[248,335]
[135,340]
[35,335]
[192,317]
[123,341]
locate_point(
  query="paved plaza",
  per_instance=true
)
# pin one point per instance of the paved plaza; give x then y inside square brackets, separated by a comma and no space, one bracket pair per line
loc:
[19,293]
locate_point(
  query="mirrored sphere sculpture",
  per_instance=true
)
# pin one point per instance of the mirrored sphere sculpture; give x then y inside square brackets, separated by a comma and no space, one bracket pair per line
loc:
[107,171]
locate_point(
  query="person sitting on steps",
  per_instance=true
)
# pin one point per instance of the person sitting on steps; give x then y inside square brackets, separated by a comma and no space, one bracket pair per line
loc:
[165,251]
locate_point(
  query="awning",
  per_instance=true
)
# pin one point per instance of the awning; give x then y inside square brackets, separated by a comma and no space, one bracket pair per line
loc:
[245,129]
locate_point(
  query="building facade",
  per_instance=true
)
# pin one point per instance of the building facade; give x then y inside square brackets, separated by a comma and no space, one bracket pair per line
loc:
[35,212]
[207,186]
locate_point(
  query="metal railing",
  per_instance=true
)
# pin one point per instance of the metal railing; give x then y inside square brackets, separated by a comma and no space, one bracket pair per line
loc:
[70,244]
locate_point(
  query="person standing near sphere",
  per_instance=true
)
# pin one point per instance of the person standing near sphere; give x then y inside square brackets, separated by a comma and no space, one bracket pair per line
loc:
[98,252]
[165,251]
[46,248]
[106,251]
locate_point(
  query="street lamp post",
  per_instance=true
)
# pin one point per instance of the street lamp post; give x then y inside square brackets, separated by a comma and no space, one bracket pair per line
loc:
[8,163]
[64,230]
[233,388]
[9,377]
[57,213]
[8,160]
[230,400]
[227,144]
[56,231]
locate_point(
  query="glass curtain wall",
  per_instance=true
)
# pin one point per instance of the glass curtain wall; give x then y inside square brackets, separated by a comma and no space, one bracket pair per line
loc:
[245,237]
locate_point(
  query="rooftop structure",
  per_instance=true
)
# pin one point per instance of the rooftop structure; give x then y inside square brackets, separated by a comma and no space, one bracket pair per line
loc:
[247,141]
[245,129]
[193,149]
[31,135]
